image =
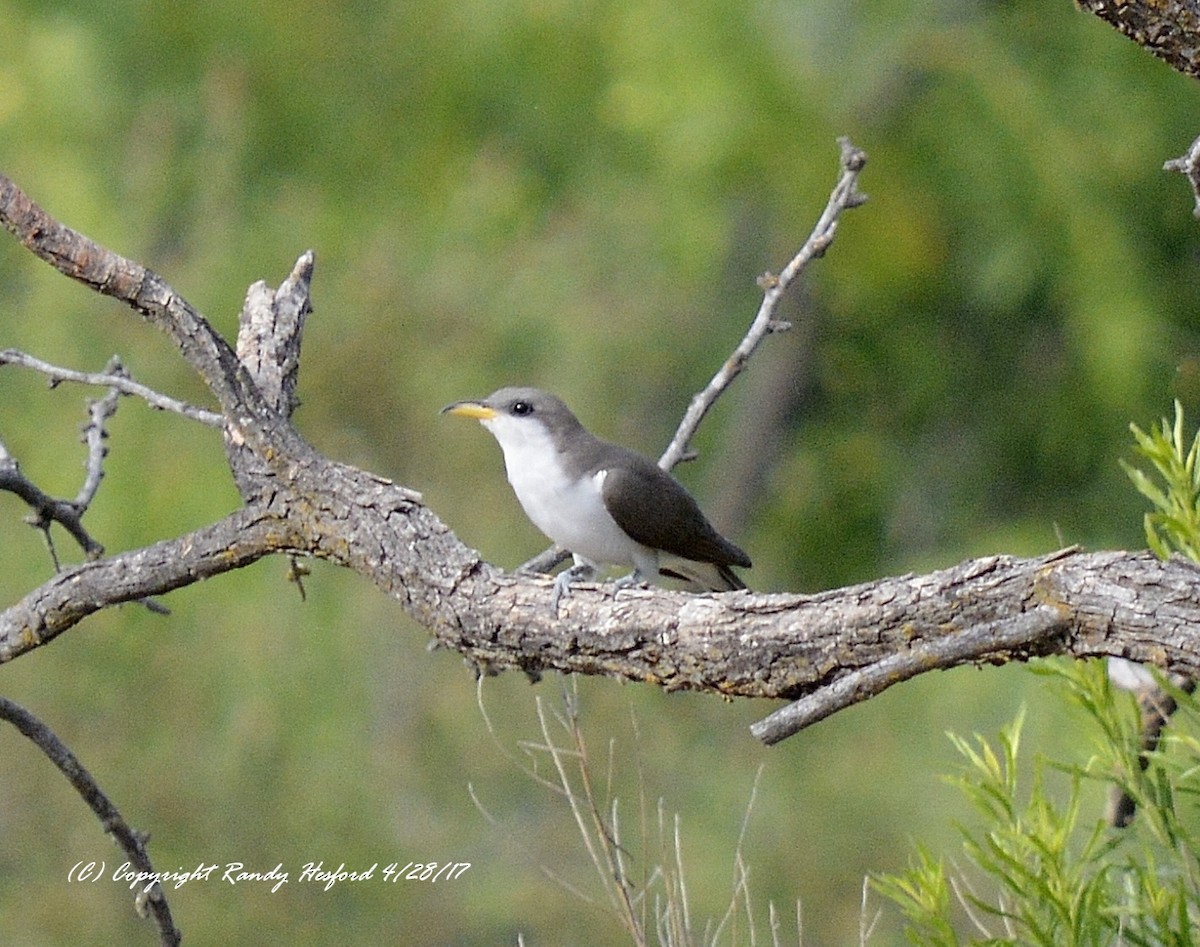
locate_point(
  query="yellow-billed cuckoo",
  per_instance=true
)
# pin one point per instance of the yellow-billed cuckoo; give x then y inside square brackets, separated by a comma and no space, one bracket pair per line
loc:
[603,502]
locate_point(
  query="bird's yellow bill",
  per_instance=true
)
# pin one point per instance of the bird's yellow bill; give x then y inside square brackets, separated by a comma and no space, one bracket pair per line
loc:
[469,409]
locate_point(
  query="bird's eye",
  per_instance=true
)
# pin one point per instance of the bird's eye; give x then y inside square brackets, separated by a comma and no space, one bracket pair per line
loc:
[522,408]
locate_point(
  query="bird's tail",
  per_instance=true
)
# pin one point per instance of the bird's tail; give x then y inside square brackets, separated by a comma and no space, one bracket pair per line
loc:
[702,576]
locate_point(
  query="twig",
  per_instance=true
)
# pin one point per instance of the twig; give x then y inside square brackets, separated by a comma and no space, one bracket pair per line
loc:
[976,644]
[46,509]
[94,435]
[1189,166]
[845,196]
[114,379]
[69,513]
[132,843]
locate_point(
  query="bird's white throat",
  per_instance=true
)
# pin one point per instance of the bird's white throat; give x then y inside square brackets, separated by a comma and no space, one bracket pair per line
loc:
[569,510]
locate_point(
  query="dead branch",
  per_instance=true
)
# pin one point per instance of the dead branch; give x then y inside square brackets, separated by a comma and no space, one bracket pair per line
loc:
[845,196]
[1188,164]
[830,649]
[151,898]
[48,510]
[1166,28]
[116,379]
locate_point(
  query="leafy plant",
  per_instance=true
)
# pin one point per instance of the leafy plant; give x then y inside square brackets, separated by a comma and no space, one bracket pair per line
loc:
[1041,869]
[1174,524]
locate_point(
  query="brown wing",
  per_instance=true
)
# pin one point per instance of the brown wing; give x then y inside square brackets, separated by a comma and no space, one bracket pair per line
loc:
[653,508]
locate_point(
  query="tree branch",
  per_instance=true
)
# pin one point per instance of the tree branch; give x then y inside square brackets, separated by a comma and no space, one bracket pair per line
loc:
[1189,166]
[994,609]
[830,649]
[845,196]
[1166,28]
[108,273]
[94,435]
[70,596]
[271,330]
[115,378]
[46,509]
[132,843]
[1025,631]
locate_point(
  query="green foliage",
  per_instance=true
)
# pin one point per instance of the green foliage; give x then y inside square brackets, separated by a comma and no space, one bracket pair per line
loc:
[923,895]
[1174,524]
[1042,868]
[1056,876]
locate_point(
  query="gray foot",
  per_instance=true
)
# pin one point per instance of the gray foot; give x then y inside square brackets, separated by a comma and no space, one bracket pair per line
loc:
[580,572]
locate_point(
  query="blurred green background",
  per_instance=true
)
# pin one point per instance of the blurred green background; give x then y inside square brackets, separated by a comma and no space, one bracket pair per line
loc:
[578,196]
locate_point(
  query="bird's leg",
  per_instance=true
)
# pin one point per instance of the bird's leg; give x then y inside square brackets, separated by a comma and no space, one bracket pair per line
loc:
[645,568]
[635,579]
[580,572]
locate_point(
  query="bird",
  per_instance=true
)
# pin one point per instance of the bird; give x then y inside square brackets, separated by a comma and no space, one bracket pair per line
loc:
[605,503]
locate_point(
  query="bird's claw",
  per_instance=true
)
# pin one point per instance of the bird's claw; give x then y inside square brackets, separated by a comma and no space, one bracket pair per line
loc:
[562,583]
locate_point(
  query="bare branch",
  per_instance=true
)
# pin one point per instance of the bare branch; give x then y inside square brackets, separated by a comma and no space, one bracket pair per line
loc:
[845,644]
[46,509]
[1024,632]
[272,325]
[69,513]
[117,379]
[131,842]
[94,435]
[109,273]
[1189,166]
[845,196]
[72,595]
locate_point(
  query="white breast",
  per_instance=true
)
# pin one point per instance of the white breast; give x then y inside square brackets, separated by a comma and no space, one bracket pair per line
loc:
[570,512]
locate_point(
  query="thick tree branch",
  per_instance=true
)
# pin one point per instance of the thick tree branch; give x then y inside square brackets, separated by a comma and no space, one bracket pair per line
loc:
[72,595]
[828,649]
[789,646]
[1167,28]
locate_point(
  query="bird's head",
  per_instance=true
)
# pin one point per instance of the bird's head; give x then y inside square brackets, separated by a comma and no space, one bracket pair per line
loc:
[519,417]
